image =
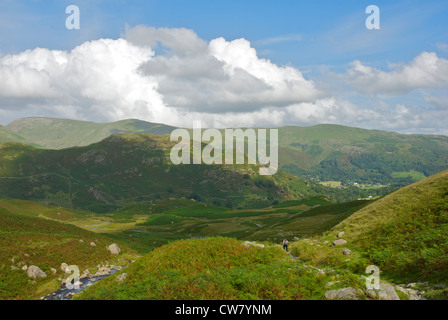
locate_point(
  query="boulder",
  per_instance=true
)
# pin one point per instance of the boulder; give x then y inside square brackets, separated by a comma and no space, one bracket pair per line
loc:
[114,248]
[346,251]
[35,272]
[386,292]
[411,293]
[93,244]
[122,277]
[340,234]
[103,271]
[64,267]
[338,242]
[53,270]
[343,294]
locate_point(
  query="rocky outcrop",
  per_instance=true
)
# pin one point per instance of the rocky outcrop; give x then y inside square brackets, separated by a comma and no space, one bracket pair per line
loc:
[410,293]
[344,294]
[121,277]
[64,267]
[103,271]
[35,272]
[386,292]
[114,248]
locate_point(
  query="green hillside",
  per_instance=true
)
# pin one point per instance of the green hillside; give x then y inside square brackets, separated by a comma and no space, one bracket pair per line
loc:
[28,240]
[216,268]
[128,168]
[349,155]
[53,133]
[9,136]
[320,153]
[404,233]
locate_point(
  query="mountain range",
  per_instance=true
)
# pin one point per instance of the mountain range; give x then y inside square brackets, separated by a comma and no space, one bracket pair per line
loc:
[321,153]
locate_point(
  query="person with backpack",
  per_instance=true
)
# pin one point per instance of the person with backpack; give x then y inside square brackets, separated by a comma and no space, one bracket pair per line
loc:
[285,244]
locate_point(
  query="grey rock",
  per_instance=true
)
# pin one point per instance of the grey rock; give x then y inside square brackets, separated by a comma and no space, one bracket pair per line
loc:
[35,272]
[338,242]
[340,234]
[64,267]
[343,294]
[103,271]
[114,248]
[386,292]
[346,251]
[122,277]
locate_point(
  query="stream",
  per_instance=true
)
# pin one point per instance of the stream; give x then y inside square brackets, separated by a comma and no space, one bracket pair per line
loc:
[67,294]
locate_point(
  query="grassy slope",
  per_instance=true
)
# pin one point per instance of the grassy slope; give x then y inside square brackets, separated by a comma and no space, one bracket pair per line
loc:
[9,136]
[64,133]
[29,240]
[325,152]
[145,226]
[405,234]
[128,168]
[334,152]
[215,268]
[294,219]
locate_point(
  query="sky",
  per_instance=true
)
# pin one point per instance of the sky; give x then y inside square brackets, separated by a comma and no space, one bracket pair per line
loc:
[227,63]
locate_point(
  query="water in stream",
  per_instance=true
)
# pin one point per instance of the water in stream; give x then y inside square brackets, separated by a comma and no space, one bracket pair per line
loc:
[66,294]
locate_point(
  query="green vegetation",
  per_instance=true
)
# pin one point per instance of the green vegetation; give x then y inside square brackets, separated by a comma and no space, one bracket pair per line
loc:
[9,136]
[28,240]
[339,153]
[113,182]
[405,234]
[319,153]
[216,268]
[126,169]
[64,133]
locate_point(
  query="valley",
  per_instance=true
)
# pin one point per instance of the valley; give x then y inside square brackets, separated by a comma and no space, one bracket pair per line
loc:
[213,231]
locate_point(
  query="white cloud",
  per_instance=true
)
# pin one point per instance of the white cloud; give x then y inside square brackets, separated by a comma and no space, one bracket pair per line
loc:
[153,74]
[427,70]
[172,76]
[221,76]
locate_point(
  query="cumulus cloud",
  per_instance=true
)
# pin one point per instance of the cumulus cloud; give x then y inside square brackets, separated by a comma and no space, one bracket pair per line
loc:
[97,79]
[427,70]
[155,74]
[170,75]
[219,76]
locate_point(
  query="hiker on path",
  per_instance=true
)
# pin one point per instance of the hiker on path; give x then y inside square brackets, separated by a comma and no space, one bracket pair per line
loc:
[285,244]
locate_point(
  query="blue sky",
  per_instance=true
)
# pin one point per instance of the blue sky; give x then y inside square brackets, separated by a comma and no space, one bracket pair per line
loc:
[330,32]
[320,39]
